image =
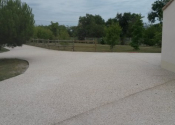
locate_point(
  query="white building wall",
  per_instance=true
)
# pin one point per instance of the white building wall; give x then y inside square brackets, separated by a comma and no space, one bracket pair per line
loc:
[168,39]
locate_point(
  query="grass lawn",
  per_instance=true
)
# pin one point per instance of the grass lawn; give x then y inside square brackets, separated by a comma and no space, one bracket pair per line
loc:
[3,50]
[11,68]
[100,48]
[127,48]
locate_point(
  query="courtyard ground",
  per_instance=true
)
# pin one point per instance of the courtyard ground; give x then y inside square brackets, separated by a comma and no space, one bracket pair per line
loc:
[81,88]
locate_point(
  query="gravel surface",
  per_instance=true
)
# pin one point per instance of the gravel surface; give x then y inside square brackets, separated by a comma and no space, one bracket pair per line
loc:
[79,88]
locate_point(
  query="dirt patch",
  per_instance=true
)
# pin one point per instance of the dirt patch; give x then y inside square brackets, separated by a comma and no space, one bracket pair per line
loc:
[12,67]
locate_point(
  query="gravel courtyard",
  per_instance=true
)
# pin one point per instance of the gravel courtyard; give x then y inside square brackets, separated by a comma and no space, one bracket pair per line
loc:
[79,88]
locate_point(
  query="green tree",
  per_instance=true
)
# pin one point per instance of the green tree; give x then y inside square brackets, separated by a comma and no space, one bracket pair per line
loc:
[54,27]
[72,30]
[63,33]
[153,35]
[16,23]
[91,26]
[113,35]
[137,33]
[158,35]
[157,13]
[111,21]
[149,35]
[126,21]
[43,33]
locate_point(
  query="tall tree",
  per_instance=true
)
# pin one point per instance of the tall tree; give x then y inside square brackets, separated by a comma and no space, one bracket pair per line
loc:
[126,21]
[59,31]
[157,14]
[158,35]
[149,34]
[91,26]
[113,35]
[137,33]
[153,35]
[16,23]
[54,27]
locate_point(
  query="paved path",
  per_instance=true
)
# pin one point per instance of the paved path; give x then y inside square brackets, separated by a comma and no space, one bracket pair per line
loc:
[77,88]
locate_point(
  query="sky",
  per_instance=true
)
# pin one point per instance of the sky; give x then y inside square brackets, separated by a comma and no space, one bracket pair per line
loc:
[67,12]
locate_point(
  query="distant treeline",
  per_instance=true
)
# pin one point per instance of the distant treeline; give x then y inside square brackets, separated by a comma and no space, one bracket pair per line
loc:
[94,26]
[17,26]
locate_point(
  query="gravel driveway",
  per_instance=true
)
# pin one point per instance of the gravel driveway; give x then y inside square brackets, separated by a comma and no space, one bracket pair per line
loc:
[79,88]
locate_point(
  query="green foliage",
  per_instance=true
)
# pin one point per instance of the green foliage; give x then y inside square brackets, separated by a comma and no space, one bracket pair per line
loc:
[113,35]
[16,23]
[157,13]
[91,26]
[54,27]
[153,35]
[158,35]
[137,33]
[102,41]
[126,21]
[149,34]
[42,33]
[111,21]
[72,31]
[63,33]
[53,31]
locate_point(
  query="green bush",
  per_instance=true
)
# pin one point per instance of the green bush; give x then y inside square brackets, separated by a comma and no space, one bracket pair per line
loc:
[113,35]
[43,33]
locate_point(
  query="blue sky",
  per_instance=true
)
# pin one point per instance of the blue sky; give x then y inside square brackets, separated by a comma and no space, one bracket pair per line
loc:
[67,12]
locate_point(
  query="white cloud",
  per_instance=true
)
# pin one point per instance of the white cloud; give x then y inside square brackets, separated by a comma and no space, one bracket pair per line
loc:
[67,12]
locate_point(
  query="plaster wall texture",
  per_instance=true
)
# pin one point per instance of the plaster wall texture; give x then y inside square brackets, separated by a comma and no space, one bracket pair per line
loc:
[168,39]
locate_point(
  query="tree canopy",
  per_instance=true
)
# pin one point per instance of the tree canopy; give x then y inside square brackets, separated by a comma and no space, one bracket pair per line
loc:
[113,34]
[16,23]
[42,32]
[149,35]
[126,21]
[157,13]
[137,33]
[52,31]
[17,26]
[91,26]
[153,35]
[54,27]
